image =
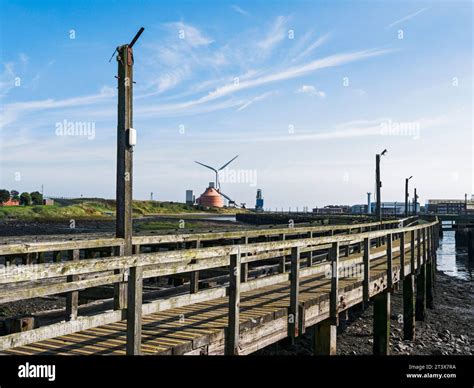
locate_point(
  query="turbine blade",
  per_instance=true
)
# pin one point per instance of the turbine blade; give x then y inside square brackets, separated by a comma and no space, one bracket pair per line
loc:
[205,165]
[225,165]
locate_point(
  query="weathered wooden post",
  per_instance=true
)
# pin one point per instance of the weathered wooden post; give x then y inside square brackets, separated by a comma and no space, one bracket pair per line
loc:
[378,185]
[282,265]
[72,298]
[406,196]
[420,284]
[325,332]
[382,308]
[293,313]
[389,263]
[409,295]
[402,255]
[126,140]
[194,276]
[134,311]
[233,328]
[418,250]
[366,280]
[120,289]
[381,323]
[245,266]
[429,270]
[310,255]
[434,238]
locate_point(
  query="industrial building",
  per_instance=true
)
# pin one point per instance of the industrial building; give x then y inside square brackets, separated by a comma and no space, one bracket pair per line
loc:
[450,206]
[211,197]
[333,209]
[387,208]
[190,199]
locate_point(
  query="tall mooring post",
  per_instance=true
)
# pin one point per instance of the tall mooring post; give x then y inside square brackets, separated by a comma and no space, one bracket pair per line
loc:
[415,202]
[126,140]
[407,195]
[378,184]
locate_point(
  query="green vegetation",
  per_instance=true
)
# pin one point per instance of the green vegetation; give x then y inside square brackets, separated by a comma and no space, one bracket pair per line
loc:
[25,199]
[4,195]
[36,198]
[100,208]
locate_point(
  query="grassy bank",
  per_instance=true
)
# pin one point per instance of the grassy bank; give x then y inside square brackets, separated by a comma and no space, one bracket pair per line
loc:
[101,208]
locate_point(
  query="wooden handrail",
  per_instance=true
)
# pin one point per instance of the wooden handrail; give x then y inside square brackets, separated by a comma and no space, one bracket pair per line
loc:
[46,246]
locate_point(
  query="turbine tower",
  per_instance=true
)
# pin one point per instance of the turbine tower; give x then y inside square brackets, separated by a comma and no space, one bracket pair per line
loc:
[217,171]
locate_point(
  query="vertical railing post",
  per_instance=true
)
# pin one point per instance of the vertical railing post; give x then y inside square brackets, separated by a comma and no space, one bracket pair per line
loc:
[233,328]
[389,263]
[120,289]
[402,255]
[418,249]
[325,332]
[429,269]
[433,251]
[245,266]
[72,298]
[134,311]
[334,297]
[366,280]
[425,256]
[194,276]
[293,313]
[282,266]
[412,253]
[310,255]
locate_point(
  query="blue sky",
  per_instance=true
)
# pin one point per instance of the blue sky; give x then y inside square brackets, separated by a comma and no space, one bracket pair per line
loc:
[305,92]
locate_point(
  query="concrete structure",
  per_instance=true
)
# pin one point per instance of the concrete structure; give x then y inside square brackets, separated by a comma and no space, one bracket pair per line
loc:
[48,201]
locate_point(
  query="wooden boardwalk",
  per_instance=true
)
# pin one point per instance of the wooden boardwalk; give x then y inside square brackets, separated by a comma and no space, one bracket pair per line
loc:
[258,311]
[200,328]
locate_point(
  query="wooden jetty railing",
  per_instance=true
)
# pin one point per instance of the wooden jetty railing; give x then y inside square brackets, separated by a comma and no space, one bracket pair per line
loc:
[127,273]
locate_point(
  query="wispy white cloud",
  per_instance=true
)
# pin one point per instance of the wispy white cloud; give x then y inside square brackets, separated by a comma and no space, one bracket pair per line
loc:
[310,90]
[12,111]
[194,106]
[294,72]
[317,43]
[255,99]
[7,79]
[408,17]
[237,9]
[275,35]
[190,34]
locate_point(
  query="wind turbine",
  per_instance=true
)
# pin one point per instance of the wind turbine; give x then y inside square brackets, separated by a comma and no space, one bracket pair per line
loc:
[217,171]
